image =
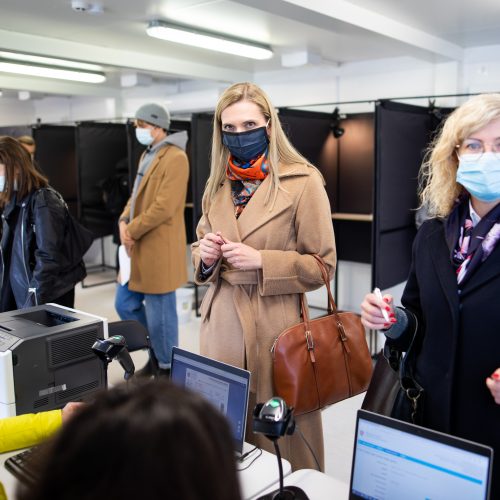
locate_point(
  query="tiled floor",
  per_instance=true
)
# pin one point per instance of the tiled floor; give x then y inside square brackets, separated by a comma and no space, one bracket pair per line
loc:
[338,420]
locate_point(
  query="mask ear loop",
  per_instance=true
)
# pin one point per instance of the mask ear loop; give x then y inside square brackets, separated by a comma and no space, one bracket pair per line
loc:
[267,125]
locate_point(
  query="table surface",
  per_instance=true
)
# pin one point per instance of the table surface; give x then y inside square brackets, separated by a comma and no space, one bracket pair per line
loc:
[261,474]
[316,485]
[255,476]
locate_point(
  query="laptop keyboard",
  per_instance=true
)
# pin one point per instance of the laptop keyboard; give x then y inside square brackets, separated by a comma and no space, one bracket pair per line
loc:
[21,466]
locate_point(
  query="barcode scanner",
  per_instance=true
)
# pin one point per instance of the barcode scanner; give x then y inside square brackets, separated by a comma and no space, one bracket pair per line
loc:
[274,418]
[114,347]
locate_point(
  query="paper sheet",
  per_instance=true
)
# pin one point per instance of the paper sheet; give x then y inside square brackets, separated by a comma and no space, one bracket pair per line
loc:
[124,261]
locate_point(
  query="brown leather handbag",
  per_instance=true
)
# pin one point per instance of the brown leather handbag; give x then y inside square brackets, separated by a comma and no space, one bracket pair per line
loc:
[321,361]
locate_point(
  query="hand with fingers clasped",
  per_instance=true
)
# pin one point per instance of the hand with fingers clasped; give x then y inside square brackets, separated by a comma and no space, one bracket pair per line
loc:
[371,312]
[210,248]
[241,256]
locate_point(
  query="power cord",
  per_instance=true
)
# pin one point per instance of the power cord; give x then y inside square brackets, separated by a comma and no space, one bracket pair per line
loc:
[297,428]
[246,455]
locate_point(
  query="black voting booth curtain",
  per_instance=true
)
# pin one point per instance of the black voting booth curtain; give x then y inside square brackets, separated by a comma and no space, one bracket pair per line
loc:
[101,147]
[403,133]
[56,157]
[347,165]
[200,147]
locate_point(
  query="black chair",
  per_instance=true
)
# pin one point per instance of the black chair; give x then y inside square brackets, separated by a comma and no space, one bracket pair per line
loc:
[137,338]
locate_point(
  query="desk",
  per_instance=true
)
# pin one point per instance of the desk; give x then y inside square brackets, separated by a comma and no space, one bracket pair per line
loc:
[261,475]
[316,485]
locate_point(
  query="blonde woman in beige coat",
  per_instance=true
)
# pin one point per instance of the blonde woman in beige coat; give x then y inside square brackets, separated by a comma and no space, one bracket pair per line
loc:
[265,211]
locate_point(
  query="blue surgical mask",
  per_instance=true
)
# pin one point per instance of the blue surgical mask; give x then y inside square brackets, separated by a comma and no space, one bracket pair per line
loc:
[480,175]
[2,183]
[144,136]
[246,145]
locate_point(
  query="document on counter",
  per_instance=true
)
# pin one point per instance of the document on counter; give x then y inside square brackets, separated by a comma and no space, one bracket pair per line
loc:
[124,261]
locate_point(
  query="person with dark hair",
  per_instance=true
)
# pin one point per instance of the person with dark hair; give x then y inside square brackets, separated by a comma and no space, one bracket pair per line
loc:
[30,429]
[35,268]
[151,440]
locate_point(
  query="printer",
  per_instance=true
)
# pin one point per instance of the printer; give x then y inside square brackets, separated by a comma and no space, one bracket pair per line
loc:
[46,358]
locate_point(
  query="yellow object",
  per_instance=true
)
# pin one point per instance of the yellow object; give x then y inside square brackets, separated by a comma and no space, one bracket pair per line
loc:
[27,430]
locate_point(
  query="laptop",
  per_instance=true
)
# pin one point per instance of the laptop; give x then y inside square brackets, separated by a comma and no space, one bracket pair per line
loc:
[394,460]
[226,386]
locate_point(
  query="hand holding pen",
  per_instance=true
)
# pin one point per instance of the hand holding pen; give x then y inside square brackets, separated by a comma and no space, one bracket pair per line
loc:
[377,311]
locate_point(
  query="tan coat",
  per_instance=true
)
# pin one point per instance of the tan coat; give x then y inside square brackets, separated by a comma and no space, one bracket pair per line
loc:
[159,253]
[244,311]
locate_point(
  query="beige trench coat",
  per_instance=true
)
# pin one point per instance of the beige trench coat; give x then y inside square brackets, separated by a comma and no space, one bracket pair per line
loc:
[244,311]
[159,253]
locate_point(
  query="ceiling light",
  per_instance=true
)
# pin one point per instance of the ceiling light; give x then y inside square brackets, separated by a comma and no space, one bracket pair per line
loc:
[48,61]
[197,38]
[48,67]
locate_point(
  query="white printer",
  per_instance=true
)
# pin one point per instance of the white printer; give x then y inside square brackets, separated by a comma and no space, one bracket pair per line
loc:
[46,358]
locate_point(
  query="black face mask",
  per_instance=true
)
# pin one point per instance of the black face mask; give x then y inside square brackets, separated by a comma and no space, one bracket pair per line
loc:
[246,145]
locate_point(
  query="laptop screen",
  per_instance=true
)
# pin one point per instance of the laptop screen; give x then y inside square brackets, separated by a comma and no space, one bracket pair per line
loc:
[226,386]
[394,460]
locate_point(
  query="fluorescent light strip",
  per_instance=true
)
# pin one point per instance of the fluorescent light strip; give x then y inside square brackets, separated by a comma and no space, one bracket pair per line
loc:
[188,36]
[57,73]
[49,61]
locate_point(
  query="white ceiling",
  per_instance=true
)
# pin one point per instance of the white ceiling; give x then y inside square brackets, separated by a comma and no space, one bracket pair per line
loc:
[336,31]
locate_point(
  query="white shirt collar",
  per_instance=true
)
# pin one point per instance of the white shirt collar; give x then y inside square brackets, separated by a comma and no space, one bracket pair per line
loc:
[473,215]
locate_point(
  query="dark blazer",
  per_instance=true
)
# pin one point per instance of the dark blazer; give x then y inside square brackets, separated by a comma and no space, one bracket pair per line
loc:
[459,338]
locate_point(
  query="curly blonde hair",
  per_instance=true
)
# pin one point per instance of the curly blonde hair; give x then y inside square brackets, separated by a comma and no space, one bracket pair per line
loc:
[438,187]
[280,149]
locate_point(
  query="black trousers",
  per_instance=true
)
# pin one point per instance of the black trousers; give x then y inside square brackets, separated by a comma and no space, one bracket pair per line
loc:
[67,300]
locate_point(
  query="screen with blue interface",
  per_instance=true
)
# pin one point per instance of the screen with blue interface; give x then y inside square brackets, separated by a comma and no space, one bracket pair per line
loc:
[225,386]
[394,460]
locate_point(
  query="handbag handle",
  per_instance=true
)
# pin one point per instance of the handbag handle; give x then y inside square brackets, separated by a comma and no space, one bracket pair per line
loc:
[332,307]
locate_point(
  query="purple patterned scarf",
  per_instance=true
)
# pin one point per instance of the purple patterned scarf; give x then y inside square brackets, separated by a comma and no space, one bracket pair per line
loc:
[470,246]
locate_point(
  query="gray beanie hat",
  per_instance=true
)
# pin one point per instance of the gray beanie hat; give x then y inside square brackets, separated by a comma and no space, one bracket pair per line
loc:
[154,114]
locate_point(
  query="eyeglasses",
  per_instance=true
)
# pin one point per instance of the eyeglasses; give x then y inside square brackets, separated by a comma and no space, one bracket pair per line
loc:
[477,148]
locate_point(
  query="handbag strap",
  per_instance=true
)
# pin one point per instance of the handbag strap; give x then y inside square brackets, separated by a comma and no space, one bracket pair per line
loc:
[332,307]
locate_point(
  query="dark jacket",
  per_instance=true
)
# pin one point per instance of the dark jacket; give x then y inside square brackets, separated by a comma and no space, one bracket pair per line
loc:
[459,338]
[33,243]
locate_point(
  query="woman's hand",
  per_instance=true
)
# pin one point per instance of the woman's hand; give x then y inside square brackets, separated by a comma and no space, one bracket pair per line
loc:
[371,312]
[241,256]
[210,248]
[493,384]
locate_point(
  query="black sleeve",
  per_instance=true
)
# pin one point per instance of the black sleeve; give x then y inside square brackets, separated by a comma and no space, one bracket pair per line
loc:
[49,216]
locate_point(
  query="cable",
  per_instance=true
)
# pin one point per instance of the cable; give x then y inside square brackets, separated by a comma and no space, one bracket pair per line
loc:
[245,455]
[307,444]
[250,464]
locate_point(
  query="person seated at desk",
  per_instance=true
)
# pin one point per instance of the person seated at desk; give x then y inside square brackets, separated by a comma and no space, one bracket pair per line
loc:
[151,439]
[28,430]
